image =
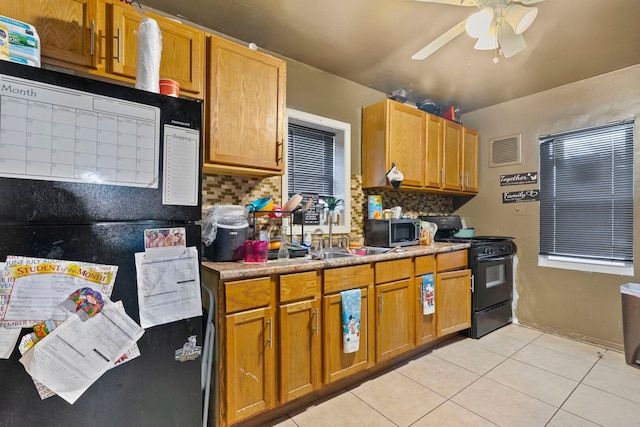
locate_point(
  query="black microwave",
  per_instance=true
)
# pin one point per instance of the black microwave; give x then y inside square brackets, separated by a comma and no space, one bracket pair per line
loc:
[392,232]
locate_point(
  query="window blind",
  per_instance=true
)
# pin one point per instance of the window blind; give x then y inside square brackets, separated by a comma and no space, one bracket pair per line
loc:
[311,157]
[586,193]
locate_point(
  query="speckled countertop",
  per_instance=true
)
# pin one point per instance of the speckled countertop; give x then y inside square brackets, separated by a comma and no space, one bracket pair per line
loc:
[241,269]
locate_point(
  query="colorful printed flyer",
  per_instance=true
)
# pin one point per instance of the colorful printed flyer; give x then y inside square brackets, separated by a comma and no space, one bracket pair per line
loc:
[32,288]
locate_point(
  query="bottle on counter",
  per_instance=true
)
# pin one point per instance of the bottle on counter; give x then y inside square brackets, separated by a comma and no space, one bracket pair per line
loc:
[283,252]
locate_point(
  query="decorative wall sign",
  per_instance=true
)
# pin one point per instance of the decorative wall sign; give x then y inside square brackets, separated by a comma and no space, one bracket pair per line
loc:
[311,208]
[521,196]
[519,178]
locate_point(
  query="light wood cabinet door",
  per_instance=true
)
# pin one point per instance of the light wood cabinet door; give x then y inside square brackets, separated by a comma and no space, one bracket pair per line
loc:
[425,323]
[249,383]
[470,160]
[300,349]
[337,363]
[182,48]
[406,142]
[434,151]
[394,319]
[245,110]
[452,156]
[453,301]
[67,28]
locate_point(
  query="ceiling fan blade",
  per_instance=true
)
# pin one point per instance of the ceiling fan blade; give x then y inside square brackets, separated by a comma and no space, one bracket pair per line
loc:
[440,41]
[526,2]
[456,2]
[510,42]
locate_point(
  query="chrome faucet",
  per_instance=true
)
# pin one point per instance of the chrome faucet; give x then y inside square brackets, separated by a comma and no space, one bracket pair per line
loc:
[344,241]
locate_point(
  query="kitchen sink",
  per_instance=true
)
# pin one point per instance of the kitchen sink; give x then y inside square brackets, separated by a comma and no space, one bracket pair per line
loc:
[370,250]
[331,253]
[337,254]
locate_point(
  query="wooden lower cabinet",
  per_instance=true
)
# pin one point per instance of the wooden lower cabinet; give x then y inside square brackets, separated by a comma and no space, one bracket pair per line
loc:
[249,385]
[453,293]
[395,329]
[300,349]
[337,363]
[394,321]
[279,337]
[425,323]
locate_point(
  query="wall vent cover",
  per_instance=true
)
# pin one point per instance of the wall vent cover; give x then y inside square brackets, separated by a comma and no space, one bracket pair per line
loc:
[505,151]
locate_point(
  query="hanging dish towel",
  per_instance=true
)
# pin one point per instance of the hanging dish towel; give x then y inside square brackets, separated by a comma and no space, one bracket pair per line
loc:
[428,294]
[351,320]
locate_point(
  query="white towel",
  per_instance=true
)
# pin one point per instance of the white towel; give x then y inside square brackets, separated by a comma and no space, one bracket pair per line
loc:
[351,301]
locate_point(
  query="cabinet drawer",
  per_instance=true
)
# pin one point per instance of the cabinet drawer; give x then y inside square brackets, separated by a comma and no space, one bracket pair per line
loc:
[425,265]
[452,261]
[299,285]
[247,294]
[343,278]
[390,271]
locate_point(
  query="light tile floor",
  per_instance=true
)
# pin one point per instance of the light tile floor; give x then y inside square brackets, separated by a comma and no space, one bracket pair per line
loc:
[515,376]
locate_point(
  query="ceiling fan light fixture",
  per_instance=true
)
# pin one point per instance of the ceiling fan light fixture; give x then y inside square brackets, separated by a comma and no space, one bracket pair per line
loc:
[479,23]
[488,41]
[520,17]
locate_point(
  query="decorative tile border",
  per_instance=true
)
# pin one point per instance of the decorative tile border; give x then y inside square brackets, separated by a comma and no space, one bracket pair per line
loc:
[235,190]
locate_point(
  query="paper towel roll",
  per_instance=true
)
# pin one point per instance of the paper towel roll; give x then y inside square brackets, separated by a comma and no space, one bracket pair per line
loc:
[149,53]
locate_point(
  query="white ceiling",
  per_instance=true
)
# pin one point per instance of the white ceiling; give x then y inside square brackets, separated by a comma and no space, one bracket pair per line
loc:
[371,42]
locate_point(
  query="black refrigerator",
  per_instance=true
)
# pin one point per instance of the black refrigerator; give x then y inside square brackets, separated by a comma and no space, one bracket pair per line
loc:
[85,167]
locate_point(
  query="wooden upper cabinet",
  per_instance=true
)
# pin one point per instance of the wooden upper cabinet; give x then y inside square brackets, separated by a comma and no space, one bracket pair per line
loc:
[470,160]
[435,129]
[451,156]
[406,143]
[68,29]
[182,56]
[429,150]
[393,133]
[245,110]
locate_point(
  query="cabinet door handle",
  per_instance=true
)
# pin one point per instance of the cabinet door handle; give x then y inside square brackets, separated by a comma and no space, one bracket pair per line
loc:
[381,303]
[441,175]
[315,329]
[270,333]
[93,38]
[118,45]
[467,175]
[280,152]
[473,283]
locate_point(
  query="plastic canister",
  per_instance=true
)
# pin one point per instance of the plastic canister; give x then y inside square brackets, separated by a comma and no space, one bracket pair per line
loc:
[24,42]
[375,207]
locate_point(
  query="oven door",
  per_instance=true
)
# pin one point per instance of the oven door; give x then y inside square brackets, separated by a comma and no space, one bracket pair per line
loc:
[492,281]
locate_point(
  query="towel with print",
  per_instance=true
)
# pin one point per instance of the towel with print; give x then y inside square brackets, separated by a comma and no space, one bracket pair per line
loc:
[428,294]
[351,320]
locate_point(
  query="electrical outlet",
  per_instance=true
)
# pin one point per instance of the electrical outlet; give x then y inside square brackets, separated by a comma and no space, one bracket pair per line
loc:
[519,209]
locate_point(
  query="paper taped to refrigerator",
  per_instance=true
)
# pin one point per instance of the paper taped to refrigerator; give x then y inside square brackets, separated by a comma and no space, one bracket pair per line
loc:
[77,353]
[32,288]
[168,288]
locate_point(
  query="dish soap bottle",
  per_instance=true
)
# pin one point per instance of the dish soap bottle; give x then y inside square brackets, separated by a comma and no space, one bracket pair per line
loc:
[283,252]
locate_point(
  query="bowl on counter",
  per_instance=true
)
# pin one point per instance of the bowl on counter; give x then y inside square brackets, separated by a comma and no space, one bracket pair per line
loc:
[465,233]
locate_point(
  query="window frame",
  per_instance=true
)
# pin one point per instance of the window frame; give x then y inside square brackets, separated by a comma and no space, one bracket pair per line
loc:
[342,170]
[586,264]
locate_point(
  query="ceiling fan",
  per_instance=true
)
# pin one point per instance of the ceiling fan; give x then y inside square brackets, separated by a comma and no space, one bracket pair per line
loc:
[498,25]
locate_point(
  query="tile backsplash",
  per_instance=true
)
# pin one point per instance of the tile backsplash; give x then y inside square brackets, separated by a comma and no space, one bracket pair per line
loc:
[235,190]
